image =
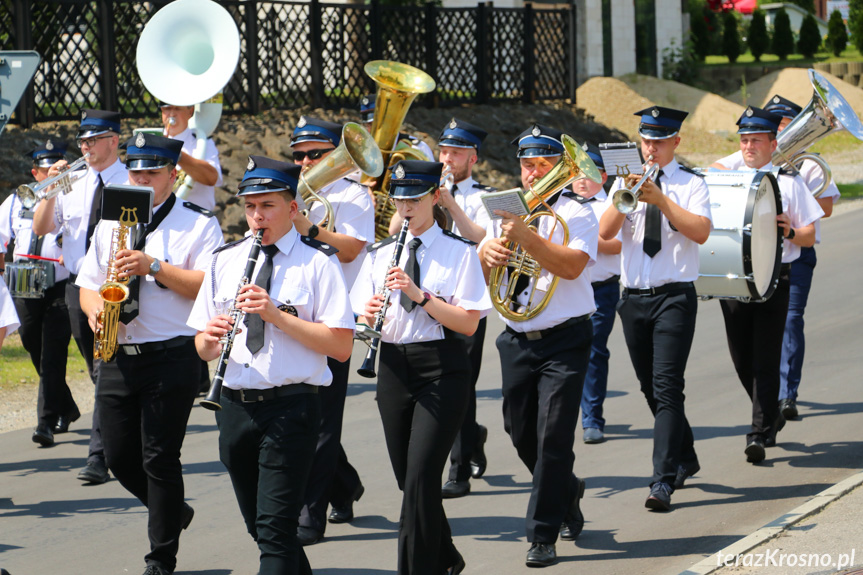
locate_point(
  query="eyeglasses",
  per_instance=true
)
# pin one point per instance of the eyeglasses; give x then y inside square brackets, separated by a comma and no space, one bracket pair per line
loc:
[312,154]
[89,142]
[409,201]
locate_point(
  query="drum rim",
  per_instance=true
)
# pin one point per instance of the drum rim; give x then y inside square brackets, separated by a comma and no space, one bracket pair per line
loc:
[747,238]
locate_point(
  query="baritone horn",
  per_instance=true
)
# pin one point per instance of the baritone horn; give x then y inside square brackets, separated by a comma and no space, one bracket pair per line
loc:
[574,163]
[826,113]
[626,199]
[356,151]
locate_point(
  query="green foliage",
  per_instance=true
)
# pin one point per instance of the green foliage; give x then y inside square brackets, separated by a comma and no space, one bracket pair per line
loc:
[837,35]
[698,30]
[807,5]
[758,39]
[730,37]
[855,23]
[783,38]
[810,37]
[679,63]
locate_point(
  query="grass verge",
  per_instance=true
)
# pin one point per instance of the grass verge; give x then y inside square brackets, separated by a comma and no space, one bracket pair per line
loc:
[16,369]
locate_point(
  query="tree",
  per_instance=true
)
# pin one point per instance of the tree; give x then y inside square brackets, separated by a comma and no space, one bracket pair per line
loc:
[810,37]
[758,39]
[837,35]
[807,5]
[855,22]
[698,30]
[730,37]
[783,38]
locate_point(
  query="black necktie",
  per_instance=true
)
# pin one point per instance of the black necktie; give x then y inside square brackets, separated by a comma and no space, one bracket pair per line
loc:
[413,270]
[653,227]
[95,211]
[255,336]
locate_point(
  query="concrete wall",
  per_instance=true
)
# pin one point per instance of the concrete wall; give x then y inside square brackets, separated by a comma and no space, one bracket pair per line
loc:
[589,43]
[669,28]
[622,38]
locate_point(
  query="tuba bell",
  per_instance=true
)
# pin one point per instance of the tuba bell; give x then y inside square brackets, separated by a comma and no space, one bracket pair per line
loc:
[826,113]
[574,163]
[357,151]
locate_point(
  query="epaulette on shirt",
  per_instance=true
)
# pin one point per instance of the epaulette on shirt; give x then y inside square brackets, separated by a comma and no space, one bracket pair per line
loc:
[199,209]
[484,188]
[231,244]
[381,243]
[459,238]
[785,172]
[319,245]
[691,171]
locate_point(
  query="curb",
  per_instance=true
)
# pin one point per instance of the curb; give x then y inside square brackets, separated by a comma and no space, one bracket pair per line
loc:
[777,526]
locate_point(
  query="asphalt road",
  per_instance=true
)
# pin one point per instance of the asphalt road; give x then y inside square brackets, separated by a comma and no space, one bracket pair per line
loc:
[50,523]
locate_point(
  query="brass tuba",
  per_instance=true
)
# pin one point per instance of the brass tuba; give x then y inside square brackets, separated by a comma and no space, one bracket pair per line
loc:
[357,151]
[574,163]
[114,291]
[398,85]
[827,112]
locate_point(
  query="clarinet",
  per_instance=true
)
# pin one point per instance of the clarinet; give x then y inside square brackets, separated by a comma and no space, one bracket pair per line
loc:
[367,369]
[211,402]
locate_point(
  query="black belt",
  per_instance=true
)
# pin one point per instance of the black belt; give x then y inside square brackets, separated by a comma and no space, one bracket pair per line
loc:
[612,280]
[785,269]
[72,277]
[541,333]
[256,395]
[153,346]
[674,286]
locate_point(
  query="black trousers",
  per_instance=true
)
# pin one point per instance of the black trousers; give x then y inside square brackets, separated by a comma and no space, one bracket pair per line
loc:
[330,460]
[84,340]
[658,330]
[268,448]
[422,396]
[754,332]
[45,334]
[145,401]
[542,385]
[465,441]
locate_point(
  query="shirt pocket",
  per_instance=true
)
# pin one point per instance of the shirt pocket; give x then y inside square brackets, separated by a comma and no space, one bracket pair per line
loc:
[294,300]
[441,282]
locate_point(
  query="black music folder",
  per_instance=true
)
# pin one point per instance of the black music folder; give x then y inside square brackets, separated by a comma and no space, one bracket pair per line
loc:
[132,203]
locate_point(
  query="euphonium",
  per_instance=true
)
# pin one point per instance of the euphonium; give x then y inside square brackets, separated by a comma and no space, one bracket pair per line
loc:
[114,291]
[357,151]
[574,163]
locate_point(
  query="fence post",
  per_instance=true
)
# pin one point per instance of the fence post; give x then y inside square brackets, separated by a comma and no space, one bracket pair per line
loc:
[26,111]
[251,16]
[572,51]
[482,63]
[316,52]
[107,67]
[376,25]
[431,51]
[529,72]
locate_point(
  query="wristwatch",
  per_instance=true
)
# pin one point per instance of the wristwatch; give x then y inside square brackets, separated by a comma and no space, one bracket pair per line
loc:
[791,234]
[313,231]
[155,267]
[426,298]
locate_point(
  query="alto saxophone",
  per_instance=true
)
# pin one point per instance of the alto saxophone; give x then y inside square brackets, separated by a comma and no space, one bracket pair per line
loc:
[114,291]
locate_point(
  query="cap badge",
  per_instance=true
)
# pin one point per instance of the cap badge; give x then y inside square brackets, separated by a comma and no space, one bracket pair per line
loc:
[365,101]
[584,146]
[302,122]
[453,124]
[251,165]
[536,132]
[749,112]
[775,99]
[140,141]
[400,172]
[48,145]
[655,113]
[84,115]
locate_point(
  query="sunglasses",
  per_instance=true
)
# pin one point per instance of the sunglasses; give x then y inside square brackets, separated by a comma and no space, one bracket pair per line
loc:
[312,154]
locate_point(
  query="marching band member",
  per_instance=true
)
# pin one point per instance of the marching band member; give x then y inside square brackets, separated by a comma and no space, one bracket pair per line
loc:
[605,281]
[544,359]
[333,480]
[146,393]
[76,215]
[207,172]
[297,313]
[755,329]
[424,376]
[793,340]
[45,331]
[659,263]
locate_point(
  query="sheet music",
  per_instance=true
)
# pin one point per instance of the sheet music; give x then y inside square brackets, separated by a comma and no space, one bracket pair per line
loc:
[510,200]
[621,159]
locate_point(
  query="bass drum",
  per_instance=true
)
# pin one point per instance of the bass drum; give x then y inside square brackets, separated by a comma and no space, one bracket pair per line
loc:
[742,256]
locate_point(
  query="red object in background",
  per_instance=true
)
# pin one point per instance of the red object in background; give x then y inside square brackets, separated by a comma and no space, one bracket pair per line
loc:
[742,6]
[745,6]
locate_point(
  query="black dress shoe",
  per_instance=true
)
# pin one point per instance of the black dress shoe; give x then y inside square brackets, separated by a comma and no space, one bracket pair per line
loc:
[573,522]
[770,436]
[63,422]
[94,472]
[754,451]
[308,536]
[659,498]
[156,570]
[340,514]
[43,435]
[187,514]
[684,472]
[788,407]
[452,489]
[477,460]
[541,555]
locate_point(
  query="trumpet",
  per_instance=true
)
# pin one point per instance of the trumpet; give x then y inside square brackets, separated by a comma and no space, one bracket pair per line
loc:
[626,199]
[31,194]
[373,336]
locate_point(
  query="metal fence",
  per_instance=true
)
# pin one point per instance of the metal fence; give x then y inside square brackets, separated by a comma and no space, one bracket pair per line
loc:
[296,53]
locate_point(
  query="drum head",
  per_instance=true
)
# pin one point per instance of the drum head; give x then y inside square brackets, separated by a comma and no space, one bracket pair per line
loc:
[765,248]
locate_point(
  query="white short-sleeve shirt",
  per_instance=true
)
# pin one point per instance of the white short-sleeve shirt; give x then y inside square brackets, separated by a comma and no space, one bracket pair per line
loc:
[16,222]
[8,315]
[204,196]
[468,196]
[607,265]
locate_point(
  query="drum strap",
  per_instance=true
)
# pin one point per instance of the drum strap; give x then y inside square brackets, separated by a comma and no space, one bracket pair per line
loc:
[36,245]
[653,227]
